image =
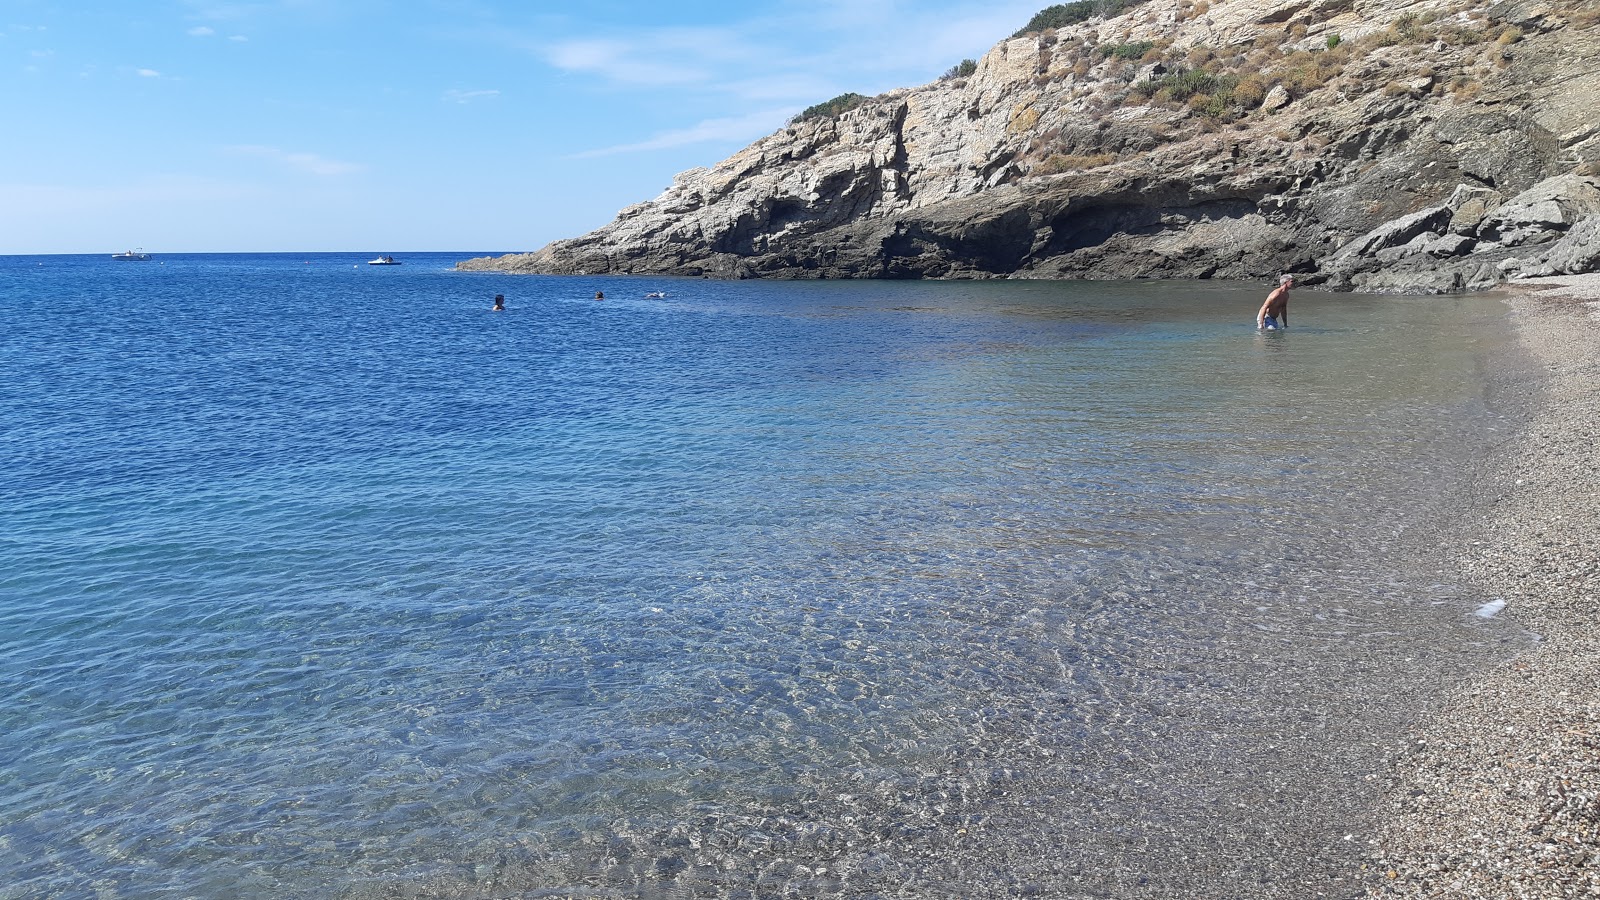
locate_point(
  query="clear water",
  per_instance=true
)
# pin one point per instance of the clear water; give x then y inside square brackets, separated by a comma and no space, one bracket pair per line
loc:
[322,580]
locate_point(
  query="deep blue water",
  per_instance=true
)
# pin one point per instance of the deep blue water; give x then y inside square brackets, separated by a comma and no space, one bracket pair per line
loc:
[324,580]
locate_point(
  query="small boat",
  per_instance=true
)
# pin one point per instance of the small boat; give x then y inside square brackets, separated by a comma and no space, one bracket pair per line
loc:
[656,295]
[383,261]
[135,255]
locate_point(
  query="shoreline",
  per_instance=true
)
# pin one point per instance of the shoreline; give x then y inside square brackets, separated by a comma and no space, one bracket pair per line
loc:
[1497,793]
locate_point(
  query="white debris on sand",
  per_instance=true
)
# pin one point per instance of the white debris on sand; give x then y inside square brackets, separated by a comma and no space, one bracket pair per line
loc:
[1498,795]
[1491,609]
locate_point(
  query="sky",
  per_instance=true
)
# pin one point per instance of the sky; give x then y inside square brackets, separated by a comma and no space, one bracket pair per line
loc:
[451,125]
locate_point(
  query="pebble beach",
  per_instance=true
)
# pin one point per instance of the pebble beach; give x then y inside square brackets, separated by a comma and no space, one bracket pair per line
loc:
[1497,795]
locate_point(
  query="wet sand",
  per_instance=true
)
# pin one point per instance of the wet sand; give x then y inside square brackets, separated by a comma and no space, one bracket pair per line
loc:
[1495,796]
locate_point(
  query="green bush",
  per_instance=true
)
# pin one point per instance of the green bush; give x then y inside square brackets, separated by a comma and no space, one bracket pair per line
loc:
[964,69]
[1064,14]
[1222,97]
[1133,50]
[1183,85]
[832,108]
[1333,41]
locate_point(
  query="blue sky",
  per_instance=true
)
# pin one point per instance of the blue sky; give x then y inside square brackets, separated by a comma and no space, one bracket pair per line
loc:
[305,125]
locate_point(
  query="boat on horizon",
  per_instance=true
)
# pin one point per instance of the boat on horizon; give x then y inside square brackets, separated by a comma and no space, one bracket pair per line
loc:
[135,255]
[383,261]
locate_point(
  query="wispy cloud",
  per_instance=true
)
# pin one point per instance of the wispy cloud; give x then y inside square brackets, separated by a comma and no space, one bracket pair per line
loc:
[454,96]
[309,163]
[228,12]
[934,43]
[234,16]
[626,61]
[798,54]
[780,87]
[738,128]
[148,73]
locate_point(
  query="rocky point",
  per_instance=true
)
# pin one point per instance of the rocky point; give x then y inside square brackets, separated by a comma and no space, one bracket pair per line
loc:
[1373,145]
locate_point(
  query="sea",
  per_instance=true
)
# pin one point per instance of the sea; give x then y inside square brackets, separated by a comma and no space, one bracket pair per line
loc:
[325,580]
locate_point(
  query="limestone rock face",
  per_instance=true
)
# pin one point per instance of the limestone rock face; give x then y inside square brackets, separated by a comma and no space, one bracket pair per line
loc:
[1387,145]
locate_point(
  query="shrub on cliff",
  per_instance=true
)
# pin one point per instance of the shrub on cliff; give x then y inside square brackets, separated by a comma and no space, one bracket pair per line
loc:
[963,69]
[1131,50]
[1182,85]
[1212,95]
[1303,71]
[829,109]
[1250,91]
[1064,14]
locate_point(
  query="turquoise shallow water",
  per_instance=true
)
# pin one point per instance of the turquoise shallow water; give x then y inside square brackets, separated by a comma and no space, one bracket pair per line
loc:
[322,580]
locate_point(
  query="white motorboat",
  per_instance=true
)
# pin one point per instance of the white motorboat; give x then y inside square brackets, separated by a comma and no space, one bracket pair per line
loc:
[383,261]
[134,255]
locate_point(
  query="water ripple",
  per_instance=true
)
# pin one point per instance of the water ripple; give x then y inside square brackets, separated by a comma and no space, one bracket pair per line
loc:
[819,589]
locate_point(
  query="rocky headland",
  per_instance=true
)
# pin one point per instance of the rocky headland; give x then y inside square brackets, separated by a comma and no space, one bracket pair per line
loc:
[1372,145]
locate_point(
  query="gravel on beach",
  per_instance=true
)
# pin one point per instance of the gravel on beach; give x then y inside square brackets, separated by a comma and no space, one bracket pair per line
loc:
[1497,795]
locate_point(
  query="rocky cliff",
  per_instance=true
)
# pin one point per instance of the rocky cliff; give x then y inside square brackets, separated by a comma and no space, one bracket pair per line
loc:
[1378,145]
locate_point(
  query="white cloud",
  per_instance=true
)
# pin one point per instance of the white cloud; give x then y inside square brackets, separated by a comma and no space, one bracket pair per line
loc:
[455,96]
[792,87]
[202,31]
[238,38]
[936,43]
[739,128]
[629,62]
[149,73]
[309,163]
[223,12]
[802,53]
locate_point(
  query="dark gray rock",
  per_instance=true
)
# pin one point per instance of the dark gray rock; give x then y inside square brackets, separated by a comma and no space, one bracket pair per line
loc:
[1450,245]
[1577,252]
[1543,213]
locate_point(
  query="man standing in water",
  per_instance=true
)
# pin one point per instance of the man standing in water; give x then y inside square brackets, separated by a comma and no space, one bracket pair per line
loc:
[1275,312]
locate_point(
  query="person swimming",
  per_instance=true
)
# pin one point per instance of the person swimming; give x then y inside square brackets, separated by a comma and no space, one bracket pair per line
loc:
[599,295]
[499,302]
